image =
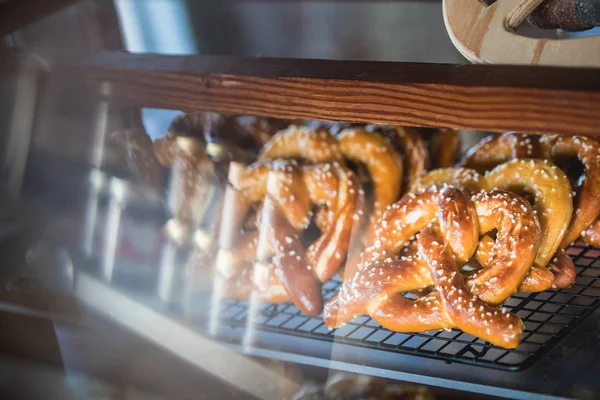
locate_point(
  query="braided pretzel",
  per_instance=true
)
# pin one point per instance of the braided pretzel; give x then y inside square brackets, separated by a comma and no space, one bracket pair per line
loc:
[377,289]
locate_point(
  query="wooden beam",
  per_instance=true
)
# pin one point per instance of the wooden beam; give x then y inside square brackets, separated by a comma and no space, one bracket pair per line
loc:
[493,98]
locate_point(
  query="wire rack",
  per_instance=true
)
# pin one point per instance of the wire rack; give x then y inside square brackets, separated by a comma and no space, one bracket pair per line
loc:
[548,317]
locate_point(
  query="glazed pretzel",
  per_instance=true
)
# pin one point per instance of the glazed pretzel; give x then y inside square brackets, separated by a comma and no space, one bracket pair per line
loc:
[587,201]
[377,288]
[297,142]
[556,148]
[292,190]
[464,178]
[329,185]
[444,148]
[355,144]
[497,149]
[411,147]
[551,193]
[454,213]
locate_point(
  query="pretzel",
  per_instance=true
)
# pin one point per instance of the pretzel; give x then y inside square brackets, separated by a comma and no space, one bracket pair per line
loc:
[462,222]
[450,306]
[495,150]
[377,288]
[561,272]
[464,178]
[587,201]
[556,148]
[411,147]
[356,145]
[296,142]
[383,163]
[329,185]
[551,193]
[291,191]
[444,147]
[287,275]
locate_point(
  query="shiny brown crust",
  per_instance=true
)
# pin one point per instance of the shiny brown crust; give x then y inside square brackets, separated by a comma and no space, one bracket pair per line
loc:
[413,150]
[537,279]
[495,150]
[552,201]
[464,178]
[587,199]
[592,234]
[469,314]
[377,287]
[450,306]
[293,190]
[383,163]
[293,271]
[329,185]
[291,195]
[316,145]
[444,148]
[403,220]
[298,142]
[563,269]
[517,238]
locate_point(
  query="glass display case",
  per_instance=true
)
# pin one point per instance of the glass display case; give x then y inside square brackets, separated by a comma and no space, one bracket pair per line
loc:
[196,200]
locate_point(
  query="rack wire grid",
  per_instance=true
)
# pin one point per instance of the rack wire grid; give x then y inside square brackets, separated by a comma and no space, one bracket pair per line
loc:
[548,316]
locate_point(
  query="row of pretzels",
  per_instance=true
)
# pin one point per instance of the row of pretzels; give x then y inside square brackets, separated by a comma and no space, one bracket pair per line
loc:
[417,250]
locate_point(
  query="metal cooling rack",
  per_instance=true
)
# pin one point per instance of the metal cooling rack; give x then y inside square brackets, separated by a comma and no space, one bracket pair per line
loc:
[548,317]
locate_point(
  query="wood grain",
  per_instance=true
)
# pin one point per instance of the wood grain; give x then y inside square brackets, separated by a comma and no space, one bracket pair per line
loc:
[483,35]
[539,100]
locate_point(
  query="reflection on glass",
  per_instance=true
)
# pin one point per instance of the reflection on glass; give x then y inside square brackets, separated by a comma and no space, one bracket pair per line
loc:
[118,191]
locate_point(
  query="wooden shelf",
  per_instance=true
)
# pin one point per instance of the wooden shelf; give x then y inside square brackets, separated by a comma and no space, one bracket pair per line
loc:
[490,98]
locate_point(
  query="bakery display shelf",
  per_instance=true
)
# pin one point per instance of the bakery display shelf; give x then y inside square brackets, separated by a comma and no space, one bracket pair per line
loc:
[473,97]
[451,359]
[548,316]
